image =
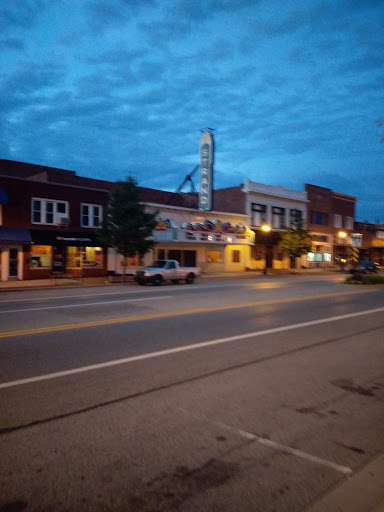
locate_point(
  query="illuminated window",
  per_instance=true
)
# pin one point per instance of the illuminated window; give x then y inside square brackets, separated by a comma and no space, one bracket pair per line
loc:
[310,256]
[214,257]
[84,257]
[327,256]
[40,257]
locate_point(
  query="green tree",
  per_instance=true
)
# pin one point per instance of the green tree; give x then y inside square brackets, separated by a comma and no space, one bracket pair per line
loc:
[127,226]
[296,240]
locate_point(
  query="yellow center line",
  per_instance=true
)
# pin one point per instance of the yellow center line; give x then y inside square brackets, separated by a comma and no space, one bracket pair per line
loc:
[153,316]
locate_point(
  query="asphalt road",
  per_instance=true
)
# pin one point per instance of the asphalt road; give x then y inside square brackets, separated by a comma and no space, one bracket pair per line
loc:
[241,395]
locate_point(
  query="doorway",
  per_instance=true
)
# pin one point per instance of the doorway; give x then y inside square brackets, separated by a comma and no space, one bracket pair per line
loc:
[59,259]
[13,263]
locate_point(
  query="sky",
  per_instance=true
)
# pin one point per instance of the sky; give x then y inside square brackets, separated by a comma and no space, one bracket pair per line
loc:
[111,88]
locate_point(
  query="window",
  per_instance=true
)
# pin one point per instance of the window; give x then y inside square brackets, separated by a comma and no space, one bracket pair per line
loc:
[235,256]
[337,221]
[40,257]
[258,214]
[349,222]
[296,216]
[47,211]
[90,215]
[214,257]
[319,218]
[278,217]
[1,214]
[84,257]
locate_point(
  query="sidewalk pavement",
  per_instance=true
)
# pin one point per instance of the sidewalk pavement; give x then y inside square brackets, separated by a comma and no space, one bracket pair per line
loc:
[362,491]
[94,281]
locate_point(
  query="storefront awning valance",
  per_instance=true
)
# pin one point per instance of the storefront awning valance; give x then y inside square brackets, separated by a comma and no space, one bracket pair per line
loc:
[13,236]
[61,238]
[3,196]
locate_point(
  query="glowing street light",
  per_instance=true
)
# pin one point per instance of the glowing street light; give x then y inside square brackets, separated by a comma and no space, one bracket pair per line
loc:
[266,229]
[342,234]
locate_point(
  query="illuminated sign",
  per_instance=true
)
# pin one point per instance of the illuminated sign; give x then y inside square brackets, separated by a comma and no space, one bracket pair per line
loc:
[206,172]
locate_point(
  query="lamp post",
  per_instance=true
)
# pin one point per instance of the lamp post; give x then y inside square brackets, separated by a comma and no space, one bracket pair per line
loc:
[342,235]
[266,229]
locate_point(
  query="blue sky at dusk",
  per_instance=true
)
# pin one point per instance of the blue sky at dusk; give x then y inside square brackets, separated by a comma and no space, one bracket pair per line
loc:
[111,88]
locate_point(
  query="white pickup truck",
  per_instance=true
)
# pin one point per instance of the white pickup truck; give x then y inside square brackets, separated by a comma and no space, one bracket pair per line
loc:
[166,270]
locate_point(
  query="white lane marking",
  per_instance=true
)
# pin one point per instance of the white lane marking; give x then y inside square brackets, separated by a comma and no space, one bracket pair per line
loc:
[185,348]
[286,449]
[79,305]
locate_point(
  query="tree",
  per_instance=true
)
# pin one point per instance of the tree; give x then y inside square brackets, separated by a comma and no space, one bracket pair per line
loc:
[296,240]
[127,226]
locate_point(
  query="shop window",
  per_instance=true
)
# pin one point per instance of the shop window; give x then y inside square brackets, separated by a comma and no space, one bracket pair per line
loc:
[258,214]
[235,256]
[40,257]
[47,211]
[214,257]
[161,254]
[91,215]
[84,257]
[318,256]
[327,257]
[310,256]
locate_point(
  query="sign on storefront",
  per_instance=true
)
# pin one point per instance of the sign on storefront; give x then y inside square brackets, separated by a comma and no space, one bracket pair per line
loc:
[206,172]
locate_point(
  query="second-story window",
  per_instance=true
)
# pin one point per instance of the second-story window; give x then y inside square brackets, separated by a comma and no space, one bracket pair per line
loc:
[337,221]
[349,222]
[296,216]
[91,215]
[278,217]
[319,218]
[259,214]
[48,211]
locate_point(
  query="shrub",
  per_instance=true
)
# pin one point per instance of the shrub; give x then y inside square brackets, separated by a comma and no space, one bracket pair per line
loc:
[373,279]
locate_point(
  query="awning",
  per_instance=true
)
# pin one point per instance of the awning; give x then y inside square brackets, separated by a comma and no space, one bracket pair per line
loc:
[13,236]
[67,238]
[3,196]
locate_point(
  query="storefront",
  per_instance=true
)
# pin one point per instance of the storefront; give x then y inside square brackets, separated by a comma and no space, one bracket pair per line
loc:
[14,244]
[73,253]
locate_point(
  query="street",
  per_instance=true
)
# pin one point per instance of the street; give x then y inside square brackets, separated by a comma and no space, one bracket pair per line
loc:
[254,394]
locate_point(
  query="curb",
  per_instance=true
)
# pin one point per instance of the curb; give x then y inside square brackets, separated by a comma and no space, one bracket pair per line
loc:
[363,491]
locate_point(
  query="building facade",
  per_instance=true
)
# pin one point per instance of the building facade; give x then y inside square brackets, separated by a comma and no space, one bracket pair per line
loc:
[47,221]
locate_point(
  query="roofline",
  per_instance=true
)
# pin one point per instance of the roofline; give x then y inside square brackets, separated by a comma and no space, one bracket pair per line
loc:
[192,209]
[57,184]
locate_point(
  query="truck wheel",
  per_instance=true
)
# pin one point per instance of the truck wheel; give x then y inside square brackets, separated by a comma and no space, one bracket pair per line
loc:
[190,278]
[157,280]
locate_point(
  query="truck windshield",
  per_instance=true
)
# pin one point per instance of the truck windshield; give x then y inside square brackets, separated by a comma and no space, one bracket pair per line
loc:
[159,264]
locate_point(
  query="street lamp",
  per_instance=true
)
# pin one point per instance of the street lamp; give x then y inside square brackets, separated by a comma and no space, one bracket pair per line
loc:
[266,229]
[342,234]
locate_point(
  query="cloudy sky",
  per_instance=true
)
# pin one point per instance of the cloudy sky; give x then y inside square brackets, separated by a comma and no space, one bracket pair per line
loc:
[110,88]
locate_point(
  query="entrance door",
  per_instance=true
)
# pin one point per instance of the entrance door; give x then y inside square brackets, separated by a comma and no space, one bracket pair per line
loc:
[58,259]
[13,262]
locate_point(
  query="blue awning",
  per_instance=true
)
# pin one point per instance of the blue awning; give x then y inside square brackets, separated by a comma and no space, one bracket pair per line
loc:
[14,236]
[3,196]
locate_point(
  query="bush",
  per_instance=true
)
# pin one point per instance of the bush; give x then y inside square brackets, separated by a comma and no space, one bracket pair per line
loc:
[364,279]
[373,279]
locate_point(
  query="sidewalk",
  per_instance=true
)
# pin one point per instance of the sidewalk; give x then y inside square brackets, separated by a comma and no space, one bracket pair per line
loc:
[99,281]
[363,491]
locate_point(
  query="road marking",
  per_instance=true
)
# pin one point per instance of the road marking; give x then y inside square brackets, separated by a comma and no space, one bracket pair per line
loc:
[153,316]
[184,348]
[286,449]
[83,305]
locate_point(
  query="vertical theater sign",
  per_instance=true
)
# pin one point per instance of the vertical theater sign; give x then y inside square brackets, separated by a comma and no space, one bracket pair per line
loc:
[206,172]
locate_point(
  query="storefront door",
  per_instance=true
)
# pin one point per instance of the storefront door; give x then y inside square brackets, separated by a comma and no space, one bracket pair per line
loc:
[58,259]
[13,262]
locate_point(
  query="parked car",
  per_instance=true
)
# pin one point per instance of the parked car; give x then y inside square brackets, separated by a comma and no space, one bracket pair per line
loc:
[364,267]
[166,270]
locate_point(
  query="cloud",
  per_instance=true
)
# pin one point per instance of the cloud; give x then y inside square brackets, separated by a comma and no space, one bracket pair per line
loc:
[22,13]
[12,43]
[103,14]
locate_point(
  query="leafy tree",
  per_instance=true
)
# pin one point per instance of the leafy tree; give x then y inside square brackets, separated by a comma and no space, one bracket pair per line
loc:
[296,240]
[127,226]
